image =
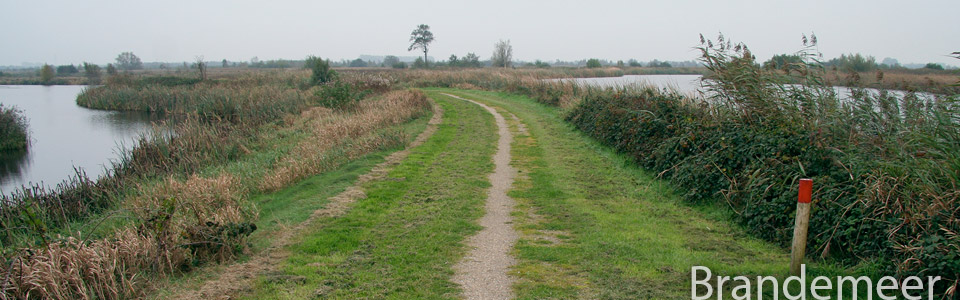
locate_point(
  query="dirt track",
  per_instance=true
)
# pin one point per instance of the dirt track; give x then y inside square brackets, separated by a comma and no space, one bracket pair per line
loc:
[483,272]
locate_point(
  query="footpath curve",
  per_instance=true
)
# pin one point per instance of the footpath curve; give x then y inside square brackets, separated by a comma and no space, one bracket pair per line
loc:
[483,271]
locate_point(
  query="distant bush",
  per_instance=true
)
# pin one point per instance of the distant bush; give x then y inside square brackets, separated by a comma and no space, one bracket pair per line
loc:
[593,63]
[339,95]
[784,62]
[47,73]
[468,61]
[273,64]
[853,63]
[419,63]
[399,65]
[92,72]
[933,66]
[390,60]
[13,129]
[659,64]
[128,61]
[320,70]
[67,70]
[358,63]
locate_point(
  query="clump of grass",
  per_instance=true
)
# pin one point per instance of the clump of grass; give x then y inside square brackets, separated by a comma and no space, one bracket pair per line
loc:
[28,214]
[310,156]
[182,223]
[13,129]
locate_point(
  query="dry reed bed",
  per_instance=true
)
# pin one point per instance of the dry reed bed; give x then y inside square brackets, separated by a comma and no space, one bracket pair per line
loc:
[183,223]
[393,109]
[217,117]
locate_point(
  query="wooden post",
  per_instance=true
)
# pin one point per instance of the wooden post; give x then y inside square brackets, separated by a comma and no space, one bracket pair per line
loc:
[800,227]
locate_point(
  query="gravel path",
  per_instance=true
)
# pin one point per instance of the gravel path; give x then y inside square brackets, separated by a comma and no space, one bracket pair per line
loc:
[483,272]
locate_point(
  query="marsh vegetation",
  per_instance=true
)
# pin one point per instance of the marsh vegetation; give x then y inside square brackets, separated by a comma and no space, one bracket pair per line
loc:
[885,165]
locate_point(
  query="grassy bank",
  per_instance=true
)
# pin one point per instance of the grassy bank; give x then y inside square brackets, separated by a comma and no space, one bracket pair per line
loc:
[883,166]
[181,200]
[281,210]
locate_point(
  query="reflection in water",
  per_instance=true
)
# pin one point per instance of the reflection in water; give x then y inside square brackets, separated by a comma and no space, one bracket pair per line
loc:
[64,135]
[684,84]
[12,163]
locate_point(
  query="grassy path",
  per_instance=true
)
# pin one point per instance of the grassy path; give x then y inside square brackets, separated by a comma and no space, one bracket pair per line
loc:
[590,224]
[403,239]
[483,272]
[594,226]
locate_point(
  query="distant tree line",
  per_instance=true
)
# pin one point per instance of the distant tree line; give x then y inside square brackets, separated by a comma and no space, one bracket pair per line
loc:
[855,62]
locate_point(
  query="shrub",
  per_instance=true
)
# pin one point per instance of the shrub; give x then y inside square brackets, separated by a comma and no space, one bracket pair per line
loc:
[13,129]
[339,95]
[358,63]
[593,63]
[419,63]
[92,72]
[47,73]
[67,70]
[933,66]
[320,70]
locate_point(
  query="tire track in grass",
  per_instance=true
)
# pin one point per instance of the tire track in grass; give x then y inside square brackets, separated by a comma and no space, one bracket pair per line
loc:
[483,272]
[402,240]
[238,277]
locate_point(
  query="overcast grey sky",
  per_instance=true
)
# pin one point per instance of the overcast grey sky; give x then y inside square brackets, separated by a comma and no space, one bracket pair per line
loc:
[71,31]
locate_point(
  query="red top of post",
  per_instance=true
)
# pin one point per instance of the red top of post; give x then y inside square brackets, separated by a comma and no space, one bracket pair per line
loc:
[806,188]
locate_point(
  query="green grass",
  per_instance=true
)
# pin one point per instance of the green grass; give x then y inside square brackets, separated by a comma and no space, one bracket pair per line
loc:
[403,239]
[292,205]
[592,224]
[617,231]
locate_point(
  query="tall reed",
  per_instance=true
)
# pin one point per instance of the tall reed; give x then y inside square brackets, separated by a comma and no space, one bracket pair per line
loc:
[884,166]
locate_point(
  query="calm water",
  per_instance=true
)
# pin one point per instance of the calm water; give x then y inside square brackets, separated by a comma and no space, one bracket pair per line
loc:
[681,83]
[64,135]
[690,84]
